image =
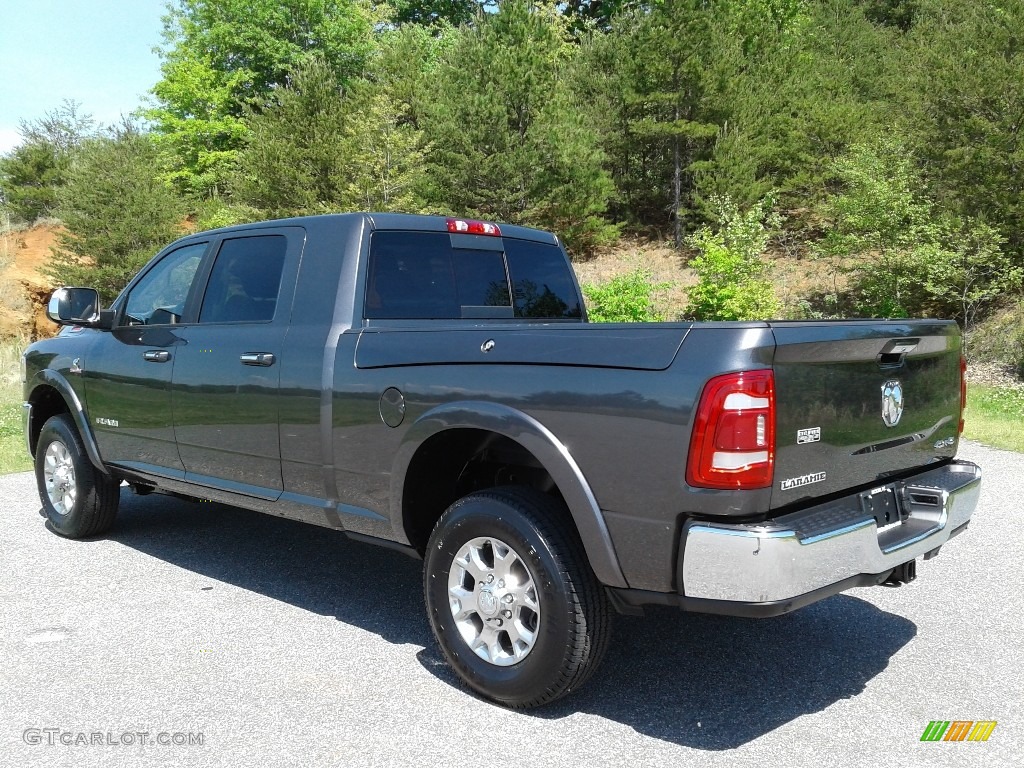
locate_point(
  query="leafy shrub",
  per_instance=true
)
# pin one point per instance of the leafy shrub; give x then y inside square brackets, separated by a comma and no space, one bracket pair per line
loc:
[913,258]
[624,299]
[730,270]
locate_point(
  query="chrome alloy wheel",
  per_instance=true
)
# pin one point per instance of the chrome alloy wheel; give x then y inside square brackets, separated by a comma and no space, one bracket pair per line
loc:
[59,476]
[493,600]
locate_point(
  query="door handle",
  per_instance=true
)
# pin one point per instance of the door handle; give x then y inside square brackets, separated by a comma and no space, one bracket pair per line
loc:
[156,356]
[266,359]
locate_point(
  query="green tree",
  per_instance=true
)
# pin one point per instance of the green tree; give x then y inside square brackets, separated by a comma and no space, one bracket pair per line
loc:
[967,270]
[294,160]
[318,148]
[965,99]
[768,93]
[33,172]
[507,139]
[595,14]
[428,12]
[670,101]
[387,173]
[222,56]
[115,210]
[808,79]
[654,87]
[405,67]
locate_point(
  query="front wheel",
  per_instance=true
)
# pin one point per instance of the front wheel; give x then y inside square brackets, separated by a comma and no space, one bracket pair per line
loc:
[78,499]
[511,598]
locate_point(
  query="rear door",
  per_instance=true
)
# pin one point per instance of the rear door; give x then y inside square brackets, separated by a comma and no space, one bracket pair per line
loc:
[227,376]
[858,402]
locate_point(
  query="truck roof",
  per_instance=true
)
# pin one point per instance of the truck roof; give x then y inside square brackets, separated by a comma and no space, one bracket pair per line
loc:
[387,221]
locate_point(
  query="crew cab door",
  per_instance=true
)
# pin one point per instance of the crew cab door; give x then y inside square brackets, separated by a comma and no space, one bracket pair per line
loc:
[127,372]
[226,377]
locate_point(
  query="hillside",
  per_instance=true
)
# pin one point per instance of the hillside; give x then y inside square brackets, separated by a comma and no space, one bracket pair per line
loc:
[24,289]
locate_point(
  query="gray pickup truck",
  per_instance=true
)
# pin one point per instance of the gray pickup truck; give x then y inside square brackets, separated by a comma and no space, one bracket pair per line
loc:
[432,385]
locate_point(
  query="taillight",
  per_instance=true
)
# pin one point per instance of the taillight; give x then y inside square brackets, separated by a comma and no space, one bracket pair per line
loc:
[963,392]
[733,442]
[467,227]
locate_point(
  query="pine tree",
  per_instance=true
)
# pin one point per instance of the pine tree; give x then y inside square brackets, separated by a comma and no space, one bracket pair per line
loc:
[965,104]
[32,173]
[657,64]
[508,142]
[115,210]
[320,148]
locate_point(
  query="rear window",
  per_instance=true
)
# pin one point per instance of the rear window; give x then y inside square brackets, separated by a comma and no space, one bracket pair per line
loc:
[542,284]
[420,275]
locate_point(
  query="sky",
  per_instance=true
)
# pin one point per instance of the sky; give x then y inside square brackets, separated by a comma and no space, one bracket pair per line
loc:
[96,52]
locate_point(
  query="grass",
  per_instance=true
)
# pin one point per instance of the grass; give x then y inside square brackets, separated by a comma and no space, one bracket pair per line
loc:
[13,455]
[995,416]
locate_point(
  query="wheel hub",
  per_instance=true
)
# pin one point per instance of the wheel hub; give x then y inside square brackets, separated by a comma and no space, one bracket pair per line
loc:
[487,602]
[493,601]
[59,477]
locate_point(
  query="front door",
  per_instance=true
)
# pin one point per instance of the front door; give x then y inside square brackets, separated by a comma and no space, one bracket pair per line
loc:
[127,372]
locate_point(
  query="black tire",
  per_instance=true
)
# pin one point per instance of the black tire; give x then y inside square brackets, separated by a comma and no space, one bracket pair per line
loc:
[572,622]
[78,499]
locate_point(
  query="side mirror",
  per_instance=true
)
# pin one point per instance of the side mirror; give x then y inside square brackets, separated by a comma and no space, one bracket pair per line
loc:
[75,306]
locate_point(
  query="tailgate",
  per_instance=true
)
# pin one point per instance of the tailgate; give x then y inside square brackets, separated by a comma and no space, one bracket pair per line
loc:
[857,402]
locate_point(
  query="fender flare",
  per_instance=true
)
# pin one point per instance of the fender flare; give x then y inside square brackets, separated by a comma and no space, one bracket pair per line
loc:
[53,379]
[542,444]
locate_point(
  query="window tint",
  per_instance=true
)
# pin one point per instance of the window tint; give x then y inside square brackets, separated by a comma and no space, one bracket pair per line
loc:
[480,278]
[245,280]
[541,279]
[420,275]
[159,297]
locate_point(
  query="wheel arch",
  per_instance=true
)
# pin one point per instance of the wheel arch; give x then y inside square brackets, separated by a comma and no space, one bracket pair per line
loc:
[53,394]
[449,452]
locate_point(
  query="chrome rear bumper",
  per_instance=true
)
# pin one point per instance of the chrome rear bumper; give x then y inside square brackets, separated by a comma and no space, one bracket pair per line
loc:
[813,549]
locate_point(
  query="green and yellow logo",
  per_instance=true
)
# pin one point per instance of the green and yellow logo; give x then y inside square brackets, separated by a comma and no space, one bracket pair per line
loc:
[958,730]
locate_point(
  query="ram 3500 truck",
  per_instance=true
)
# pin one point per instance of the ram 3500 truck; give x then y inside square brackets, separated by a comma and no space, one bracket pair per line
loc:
[432,385]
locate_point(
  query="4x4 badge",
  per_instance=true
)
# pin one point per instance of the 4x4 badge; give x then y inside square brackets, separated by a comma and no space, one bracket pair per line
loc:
[892,402]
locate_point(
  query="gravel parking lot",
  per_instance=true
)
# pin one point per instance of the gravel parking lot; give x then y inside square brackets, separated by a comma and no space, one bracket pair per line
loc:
[240,639]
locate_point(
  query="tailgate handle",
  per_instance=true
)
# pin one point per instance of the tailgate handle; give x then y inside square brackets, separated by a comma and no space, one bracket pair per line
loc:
[895,352]
[265,359]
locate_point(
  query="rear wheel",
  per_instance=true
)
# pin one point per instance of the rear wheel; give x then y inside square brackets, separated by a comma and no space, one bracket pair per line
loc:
[78,499]
[511,598]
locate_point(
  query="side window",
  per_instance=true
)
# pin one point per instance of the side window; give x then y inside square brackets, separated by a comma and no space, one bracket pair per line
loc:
[541,281]
[159,297]
[418,275]
[245,280]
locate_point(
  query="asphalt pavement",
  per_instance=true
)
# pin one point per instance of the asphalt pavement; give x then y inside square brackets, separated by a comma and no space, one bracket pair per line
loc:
[201,635]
